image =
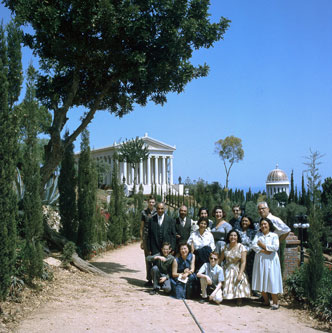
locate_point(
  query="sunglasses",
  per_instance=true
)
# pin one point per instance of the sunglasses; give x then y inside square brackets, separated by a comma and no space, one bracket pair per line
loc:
[213,259]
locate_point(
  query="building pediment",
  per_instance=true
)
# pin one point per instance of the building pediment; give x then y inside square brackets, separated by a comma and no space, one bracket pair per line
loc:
[155,145]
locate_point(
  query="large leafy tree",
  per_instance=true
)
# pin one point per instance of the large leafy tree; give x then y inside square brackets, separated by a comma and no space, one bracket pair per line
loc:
[111,54]
[230,151]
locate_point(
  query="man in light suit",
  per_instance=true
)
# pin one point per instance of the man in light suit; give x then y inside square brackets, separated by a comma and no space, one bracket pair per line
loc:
[161,229]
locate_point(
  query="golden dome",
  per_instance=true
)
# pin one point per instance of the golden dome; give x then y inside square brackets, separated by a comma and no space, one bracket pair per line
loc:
[277,176]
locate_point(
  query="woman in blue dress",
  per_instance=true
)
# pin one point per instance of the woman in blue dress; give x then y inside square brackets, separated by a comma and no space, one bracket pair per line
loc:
[247,232]
[266,276]
[220,229]
[183,276]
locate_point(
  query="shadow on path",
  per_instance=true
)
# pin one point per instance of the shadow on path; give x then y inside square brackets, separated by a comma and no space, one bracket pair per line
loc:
[134,282]
[113,267]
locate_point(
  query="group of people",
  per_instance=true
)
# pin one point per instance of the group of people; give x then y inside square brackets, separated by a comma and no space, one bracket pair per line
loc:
[216,260]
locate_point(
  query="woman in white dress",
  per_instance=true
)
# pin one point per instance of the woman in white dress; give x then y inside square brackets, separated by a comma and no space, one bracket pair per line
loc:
[266,276]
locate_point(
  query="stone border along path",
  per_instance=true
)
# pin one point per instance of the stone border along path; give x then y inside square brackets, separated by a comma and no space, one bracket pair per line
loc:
[82,302]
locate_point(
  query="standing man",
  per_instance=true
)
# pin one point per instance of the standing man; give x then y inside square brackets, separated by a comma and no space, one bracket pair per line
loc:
[282,229]
[235,221]
[161,229]
[182,225]
[144,230]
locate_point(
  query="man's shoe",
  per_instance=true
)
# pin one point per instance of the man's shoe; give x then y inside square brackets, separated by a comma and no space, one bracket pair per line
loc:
[203,300]
[148,284]
[153,292]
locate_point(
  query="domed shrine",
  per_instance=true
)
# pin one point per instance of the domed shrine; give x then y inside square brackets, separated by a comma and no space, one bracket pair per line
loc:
[276,182]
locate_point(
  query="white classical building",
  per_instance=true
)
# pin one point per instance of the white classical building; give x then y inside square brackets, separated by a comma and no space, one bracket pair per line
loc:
[156,171]
[276,182]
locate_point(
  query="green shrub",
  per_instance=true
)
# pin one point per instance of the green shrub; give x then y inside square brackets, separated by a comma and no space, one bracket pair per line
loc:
[295,283]
[322,305]
[67,253]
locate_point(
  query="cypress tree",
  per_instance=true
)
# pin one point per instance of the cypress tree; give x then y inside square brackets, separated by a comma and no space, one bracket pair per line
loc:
[115,230]
[296,197]
[32,206]
[291,197]
[15,77]
[86,204]
[8,156]
[303,198]
[67,189]
[315,264]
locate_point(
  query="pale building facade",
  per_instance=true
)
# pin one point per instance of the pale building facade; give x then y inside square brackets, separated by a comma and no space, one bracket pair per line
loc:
[156,171]
[276,182]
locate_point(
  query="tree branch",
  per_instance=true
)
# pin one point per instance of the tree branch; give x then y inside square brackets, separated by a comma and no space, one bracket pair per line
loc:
[89,116]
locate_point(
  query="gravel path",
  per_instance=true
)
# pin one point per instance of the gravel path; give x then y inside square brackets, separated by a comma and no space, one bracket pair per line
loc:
[84,303]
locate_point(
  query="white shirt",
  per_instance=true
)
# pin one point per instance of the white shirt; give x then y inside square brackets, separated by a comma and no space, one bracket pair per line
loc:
[160,220]
[271,241]
[201,240]
[281,227]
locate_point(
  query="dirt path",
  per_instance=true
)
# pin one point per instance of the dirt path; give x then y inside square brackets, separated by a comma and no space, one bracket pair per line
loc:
[81,303]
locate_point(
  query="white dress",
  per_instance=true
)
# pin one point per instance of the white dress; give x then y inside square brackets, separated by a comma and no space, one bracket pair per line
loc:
[266,275]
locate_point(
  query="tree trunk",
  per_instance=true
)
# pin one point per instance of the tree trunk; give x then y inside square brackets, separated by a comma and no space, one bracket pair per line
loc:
[59,241]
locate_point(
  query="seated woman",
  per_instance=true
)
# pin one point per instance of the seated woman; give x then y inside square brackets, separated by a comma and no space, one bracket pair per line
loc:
[211,276]
[183,276]
[236,285]
[220,229]
[201,242]
[266,275]
[247,233]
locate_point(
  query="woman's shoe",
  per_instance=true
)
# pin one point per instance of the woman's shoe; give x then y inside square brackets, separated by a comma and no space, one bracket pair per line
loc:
[275,307]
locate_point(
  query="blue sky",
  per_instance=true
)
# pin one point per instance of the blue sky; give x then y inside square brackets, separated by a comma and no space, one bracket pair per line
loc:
[270,84]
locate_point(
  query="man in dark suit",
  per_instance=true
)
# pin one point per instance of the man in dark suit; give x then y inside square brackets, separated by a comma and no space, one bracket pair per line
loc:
[182,225]
[161,229]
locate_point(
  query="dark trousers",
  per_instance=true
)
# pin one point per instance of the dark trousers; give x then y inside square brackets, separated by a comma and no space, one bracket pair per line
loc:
[156,275]
[148,265]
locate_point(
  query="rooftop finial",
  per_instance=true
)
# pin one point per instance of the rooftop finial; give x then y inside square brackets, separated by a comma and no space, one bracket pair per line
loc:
[277,166]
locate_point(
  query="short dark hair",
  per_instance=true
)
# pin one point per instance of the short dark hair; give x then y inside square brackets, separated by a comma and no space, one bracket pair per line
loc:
[251,221]
[201,219]
[219,207]
[183,243]
[151,197]
[214,254]
[200,210]
[239,240]
[166,244]
[272,228]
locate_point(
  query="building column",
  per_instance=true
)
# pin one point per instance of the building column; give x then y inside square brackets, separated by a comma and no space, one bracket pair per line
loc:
[171,170]
[148,182]
[164,169]
[141,180]
[124,172]
[156,176]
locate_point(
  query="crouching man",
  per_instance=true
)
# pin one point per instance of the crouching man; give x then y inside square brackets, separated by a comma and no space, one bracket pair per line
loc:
[211,276]
[161,269]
